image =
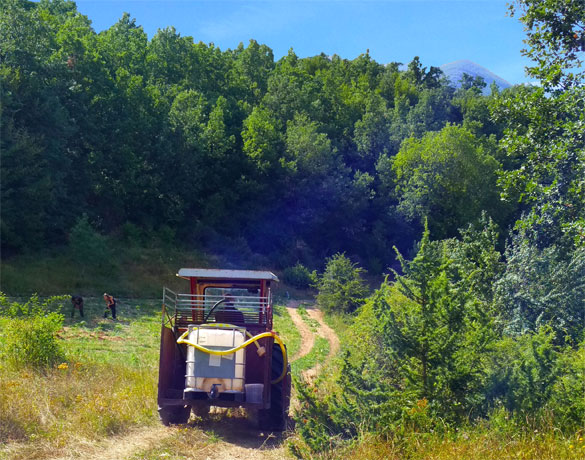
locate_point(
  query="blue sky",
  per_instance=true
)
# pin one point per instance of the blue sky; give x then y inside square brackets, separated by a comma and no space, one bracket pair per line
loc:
[438,31]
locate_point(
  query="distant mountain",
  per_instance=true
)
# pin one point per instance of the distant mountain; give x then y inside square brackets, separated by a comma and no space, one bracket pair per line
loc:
[455,70]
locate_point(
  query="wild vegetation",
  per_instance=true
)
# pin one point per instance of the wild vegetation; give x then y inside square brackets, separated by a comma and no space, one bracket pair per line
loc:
[466,342]
[123,157]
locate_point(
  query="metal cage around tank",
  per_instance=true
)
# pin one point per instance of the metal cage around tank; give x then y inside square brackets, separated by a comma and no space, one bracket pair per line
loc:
[183,310]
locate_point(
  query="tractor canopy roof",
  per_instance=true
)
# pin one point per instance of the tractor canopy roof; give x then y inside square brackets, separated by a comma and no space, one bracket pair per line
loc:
[212,273]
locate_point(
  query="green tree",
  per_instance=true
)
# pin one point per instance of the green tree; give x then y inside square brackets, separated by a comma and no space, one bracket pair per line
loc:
[555,32]
[448,176]
[542,287]
[310,154]
[544,127]
[440,332]
[341,287]
[88,247]
[263,143]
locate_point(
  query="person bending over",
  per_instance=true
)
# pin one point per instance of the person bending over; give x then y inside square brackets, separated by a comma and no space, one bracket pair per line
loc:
[110,305]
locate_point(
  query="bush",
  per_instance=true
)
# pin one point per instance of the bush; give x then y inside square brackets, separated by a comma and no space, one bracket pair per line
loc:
[341,287]
[542,286]
[88,247]
[568,407]
[29,338]
[298,276]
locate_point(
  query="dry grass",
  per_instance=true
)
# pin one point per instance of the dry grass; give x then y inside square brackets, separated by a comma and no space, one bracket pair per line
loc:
[225,434]
[46,412]
[466,445]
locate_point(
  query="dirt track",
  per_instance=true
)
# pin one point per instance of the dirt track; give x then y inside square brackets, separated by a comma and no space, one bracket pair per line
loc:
[118,447]
[307,337]
[326,332]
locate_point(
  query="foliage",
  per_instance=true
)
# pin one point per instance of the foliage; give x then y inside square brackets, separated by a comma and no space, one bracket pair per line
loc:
[448,177]
[438,332]
[555,39]
[427,353]
[544,144]
[298,276]
[341,287]
[87,245]
[213,145]
[542,286]
[544,126]
[29,339]
[570,366]
[530,375]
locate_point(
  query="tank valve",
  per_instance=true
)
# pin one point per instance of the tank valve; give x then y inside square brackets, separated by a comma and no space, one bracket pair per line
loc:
[214,393]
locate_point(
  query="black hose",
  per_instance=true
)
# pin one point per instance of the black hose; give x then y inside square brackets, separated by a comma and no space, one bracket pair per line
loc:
[213,308]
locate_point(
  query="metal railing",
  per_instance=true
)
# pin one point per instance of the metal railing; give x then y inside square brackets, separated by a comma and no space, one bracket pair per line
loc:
[184,309]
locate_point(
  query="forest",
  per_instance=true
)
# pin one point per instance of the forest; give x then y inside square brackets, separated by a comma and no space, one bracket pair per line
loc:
[471,207]
[290,161]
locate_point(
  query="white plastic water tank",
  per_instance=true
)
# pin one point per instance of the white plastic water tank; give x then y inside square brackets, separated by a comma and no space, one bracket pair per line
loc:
[204,370]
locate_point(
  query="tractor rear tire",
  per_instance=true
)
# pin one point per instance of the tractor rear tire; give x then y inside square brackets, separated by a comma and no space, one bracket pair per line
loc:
[276,417]
[174,415]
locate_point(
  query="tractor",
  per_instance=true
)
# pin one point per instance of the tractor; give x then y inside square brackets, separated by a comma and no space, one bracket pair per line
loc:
[218,348]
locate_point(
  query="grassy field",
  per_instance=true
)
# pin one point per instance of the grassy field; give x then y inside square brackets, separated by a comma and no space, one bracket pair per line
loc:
[105,385]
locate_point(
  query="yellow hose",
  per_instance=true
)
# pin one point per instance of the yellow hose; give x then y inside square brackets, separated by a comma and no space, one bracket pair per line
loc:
[231,326]
[239,347]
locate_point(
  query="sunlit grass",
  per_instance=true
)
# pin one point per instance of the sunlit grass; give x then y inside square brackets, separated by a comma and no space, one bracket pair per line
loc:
[313,324]
[317,355]
[284,325]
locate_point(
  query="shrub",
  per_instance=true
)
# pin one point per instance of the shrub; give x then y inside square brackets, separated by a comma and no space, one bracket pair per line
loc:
[567,399]
[341,287]
[29,338]
[298,276]
[542,286]
[88,247]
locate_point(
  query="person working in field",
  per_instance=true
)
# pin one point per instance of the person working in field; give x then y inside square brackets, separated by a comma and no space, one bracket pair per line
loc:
[77,302]
[110,305]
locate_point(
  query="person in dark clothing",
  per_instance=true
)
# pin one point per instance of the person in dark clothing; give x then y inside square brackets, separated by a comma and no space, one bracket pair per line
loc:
[110,305]
[77,303]
[230,314]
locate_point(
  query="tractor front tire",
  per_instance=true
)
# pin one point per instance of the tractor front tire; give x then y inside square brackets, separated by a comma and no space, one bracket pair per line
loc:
[174,415]
[276,417]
